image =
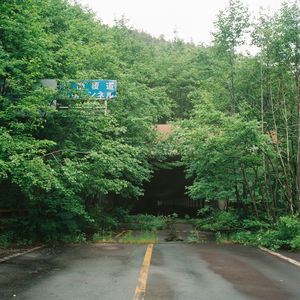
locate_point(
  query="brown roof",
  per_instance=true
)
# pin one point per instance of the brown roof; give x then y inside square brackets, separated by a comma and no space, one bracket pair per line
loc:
[164,131]
[164,128]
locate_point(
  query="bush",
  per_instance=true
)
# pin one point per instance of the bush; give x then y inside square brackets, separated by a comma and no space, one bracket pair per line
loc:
[14,238]
[145,222]
[6,238]
[295,243]
[288,227]
[106,220]
[285,235]
[225,220]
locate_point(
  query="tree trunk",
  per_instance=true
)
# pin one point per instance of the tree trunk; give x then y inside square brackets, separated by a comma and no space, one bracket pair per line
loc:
[265,203]
[298,147]
[288,188]
[250,191]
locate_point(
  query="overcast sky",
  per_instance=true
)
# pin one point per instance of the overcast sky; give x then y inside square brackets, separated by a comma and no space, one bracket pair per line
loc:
[192,19]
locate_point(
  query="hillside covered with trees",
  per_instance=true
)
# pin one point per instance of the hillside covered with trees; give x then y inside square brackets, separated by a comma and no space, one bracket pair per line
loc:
[237,120]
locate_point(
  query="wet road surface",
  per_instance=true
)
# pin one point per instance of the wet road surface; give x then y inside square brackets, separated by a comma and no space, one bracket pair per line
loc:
[177,270]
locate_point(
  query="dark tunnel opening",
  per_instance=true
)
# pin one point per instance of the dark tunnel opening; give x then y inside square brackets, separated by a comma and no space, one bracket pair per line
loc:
[166,194]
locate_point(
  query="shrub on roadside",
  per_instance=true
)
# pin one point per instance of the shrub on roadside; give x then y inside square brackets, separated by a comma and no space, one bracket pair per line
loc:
[106,219]
[6,238]
[286,235]
[218,220]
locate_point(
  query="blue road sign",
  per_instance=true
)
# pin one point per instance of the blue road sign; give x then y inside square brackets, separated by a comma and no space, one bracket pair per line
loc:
[99,89]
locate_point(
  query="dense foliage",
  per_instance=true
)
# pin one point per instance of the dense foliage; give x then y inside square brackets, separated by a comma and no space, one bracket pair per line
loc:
[241,143]
[237,117]
[62,170]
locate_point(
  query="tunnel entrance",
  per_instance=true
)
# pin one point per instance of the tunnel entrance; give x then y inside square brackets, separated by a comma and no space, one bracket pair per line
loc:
[165,194]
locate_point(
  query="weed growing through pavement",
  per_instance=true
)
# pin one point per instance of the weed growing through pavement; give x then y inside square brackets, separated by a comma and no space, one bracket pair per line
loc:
[103,236]
[145,222]
[140,238]
[195,238]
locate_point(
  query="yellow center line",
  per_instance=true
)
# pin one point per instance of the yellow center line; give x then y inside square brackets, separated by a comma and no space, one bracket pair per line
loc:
[126,234]
[118,235]
[140,290]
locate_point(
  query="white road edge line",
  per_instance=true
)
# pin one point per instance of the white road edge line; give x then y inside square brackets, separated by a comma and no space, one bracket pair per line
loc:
[290,260]
[20,253]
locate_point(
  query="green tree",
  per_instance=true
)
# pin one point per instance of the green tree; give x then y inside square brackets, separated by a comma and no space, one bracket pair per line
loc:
[231,26]
[222,151]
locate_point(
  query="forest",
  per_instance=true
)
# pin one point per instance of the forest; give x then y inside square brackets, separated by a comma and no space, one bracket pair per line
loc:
[235,114]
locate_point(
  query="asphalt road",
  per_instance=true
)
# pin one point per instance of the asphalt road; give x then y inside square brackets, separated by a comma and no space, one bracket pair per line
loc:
[177,270]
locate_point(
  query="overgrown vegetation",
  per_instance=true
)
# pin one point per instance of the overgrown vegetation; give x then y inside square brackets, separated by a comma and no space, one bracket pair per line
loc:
[69,172]
[140,238]
[284,235]
[145,222]
[241,143]
[63,171]
[229,226]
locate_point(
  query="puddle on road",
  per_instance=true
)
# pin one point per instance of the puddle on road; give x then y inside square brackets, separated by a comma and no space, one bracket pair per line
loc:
[158,287]
[244,278]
